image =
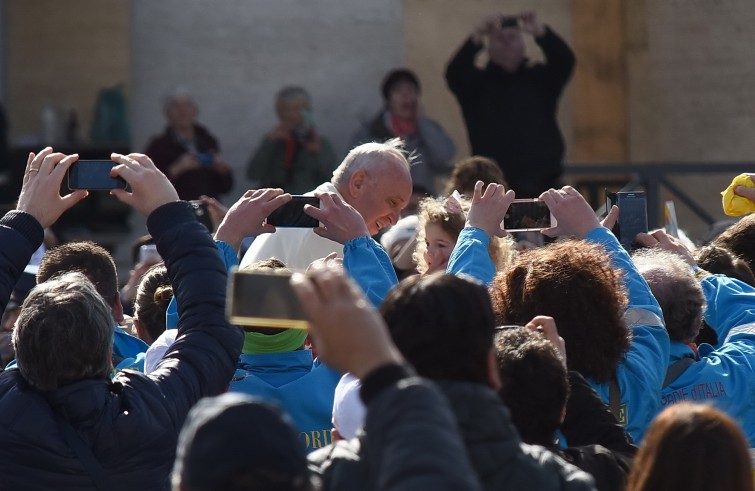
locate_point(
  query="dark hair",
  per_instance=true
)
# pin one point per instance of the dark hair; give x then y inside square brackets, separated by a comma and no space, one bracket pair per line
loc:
[90,259]
[64,333]
[534,383]
[152,298]
[467,172]
[443,325]
[684,443]
[573,282]
[739,239]
[676,289]
[213,449]
[395,76]
[718,260]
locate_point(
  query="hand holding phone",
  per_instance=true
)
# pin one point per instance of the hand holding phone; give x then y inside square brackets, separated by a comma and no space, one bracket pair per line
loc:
[94,175]
[525,215]
[264,299]
[633,217]
[292,213]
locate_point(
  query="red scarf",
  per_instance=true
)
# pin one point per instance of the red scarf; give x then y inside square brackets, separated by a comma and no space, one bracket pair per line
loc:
[402,127]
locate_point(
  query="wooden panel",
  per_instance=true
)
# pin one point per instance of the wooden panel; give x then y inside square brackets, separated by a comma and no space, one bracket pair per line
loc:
[599,87]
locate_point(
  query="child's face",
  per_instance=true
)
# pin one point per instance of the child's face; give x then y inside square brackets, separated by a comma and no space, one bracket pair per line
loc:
[439,246]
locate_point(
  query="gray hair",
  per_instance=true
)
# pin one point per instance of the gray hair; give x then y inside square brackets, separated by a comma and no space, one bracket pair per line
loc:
[370,157]
[175,93]
[678,292]
[292,92]
[64,333]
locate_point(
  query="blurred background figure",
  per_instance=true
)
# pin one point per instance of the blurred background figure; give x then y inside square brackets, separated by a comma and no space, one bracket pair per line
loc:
[293,155]
[187,153]
[402,116]
[684,443]
[510,106]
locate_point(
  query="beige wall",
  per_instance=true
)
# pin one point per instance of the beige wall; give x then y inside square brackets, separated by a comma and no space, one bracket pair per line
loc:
[62,53]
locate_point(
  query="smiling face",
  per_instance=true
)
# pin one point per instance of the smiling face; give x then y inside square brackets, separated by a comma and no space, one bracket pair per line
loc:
[380,195]
[439,245]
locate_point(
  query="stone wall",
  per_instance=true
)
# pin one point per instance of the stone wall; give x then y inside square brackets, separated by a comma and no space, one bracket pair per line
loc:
[235,54]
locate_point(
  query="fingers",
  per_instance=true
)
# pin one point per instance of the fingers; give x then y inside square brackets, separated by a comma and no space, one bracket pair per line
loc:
[477,195]
[610,220]
[48,162]
[71,199]
[62,167]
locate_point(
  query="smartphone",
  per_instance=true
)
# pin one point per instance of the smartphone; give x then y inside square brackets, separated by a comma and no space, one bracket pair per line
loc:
[148,253]
[202,212]
[206,159]
[509,21]
[263,299]
[292,213]
[525,215]
[633,215]
[94,175]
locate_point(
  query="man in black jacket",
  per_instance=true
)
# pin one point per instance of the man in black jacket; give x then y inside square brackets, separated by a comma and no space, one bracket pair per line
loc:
[63,423]
[510,106]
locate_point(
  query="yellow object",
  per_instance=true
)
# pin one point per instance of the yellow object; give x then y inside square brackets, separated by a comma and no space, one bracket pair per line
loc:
[735,205]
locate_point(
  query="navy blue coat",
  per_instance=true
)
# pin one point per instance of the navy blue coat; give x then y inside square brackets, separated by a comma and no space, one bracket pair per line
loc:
[131,423]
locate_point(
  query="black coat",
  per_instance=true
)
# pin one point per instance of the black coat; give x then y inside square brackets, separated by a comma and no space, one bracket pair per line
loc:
[511,117]
[131,423]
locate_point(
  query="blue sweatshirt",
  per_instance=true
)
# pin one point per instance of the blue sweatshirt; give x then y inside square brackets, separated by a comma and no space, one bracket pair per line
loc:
[725,374]
[640,376]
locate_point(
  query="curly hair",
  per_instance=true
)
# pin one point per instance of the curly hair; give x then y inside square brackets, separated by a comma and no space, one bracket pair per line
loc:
[573,282]
[435,211]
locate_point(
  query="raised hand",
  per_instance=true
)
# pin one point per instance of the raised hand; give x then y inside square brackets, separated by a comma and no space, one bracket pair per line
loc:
[489,208]
[247,215]
[40,192]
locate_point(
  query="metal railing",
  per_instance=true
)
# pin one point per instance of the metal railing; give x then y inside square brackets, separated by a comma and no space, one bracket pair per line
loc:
[651,176]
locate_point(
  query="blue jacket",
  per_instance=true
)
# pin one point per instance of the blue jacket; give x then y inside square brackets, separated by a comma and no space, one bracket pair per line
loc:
[640,376]
[301,385]
[725,374]
[132,422]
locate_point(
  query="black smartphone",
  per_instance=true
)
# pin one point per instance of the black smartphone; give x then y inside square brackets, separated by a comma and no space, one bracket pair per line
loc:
[292,213]
[509,21]
[526,215]
[94,175]
[263,299]
[633,215]
[202,213]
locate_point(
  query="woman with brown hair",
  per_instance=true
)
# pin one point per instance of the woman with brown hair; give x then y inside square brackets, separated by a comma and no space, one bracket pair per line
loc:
[692,447]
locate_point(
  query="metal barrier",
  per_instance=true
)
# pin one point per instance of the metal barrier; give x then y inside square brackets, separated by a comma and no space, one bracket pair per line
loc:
[651,176]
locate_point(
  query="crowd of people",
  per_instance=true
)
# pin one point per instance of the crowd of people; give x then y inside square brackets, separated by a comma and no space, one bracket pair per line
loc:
[451,355]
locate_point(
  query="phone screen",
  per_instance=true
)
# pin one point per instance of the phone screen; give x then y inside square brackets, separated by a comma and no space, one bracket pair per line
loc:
[93,175]
[633,218]
[264,299]
[292,213]
[527,215]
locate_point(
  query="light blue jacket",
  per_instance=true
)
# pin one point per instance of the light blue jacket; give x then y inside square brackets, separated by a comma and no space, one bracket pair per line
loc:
[725,374]
[302,386]
[641,374]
